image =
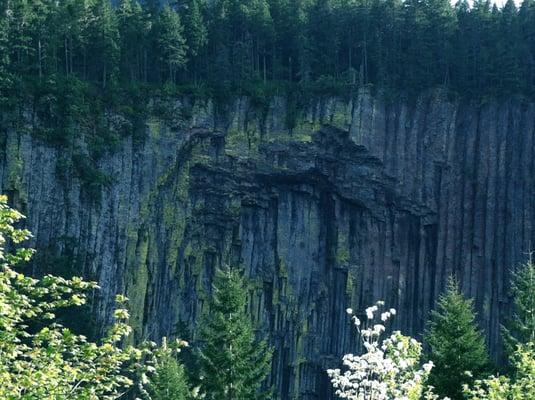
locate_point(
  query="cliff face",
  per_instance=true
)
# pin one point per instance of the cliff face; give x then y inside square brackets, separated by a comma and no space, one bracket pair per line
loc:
[384,202]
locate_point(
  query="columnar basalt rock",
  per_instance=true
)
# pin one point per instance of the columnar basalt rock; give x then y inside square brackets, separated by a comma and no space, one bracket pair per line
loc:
[361,200]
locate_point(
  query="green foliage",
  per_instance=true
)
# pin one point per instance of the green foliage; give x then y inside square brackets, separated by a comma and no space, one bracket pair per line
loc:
[171,41]
[93,179]
[520,387]
[53,363]
[169,380]
[456,344]
[401,45]
[233,364]
[195,29]
[521,330]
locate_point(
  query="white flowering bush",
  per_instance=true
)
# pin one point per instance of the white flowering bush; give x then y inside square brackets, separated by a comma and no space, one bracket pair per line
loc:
[390,367]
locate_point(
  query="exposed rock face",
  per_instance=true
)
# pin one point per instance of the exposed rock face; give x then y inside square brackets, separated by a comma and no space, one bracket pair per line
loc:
[385,202]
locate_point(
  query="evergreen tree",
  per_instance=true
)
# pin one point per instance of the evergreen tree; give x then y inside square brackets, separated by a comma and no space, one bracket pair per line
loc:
[507,49]
[456,344]
[171,41]
[169,379]
[195,28]
[18,14]
[323,39]
[522,327]
[133,30]
[102,41]
[233,364]
[196,33]
[5,80]
[526,20]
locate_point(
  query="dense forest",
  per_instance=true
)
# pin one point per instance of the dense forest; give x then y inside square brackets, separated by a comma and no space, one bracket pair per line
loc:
[236,46]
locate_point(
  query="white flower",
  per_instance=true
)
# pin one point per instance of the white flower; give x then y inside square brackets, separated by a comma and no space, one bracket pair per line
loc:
[388,368]
[428,366]
[349,311]
[392,311]
[379,328]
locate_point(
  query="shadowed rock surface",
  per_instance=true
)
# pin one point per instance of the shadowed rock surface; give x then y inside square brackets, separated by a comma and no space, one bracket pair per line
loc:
[384,201]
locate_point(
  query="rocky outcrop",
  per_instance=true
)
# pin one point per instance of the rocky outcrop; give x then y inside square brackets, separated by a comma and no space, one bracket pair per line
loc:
[361,200]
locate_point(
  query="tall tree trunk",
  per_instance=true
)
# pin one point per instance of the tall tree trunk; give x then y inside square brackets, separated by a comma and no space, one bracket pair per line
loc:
[40,58]
[104,74]
[264,67]
[66,56]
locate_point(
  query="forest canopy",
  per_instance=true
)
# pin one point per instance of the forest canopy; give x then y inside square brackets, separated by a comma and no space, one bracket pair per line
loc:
[233,45]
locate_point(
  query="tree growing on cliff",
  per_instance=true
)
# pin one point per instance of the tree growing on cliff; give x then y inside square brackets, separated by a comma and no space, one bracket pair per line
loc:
[457,347]
[521,329]
[4,55]
[233,363]
[51,362]
[171,41]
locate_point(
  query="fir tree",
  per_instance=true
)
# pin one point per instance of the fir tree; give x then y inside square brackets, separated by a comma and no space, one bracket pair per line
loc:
[133,31]
[456,344]
[195,32]
[5,80]
[521,330]
[169,381]
[171,41]
[233,364]
[102,40]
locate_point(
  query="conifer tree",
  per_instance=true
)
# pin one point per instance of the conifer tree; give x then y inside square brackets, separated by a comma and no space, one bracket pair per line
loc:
[103,40]
[133,31]
[171,41]
[196,33]
[4,55]
[195,28]
[456,344]
[521,330]
[233,363]
[169,380]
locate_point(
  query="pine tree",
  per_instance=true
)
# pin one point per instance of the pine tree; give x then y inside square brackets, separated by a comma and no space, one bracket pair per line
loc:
[233,364]
[5,80]
[102,40]
[526,20]
[456,344]
[521,330]
[508,49]
[171,41]
[196,33]
[19,14]
[195,28]
[133,31]
[169,381]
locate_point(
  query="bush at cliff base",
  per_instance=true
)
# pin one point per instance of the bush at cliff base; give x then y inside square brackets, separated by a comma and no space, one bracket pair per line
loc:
[520,386]
[389,369]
